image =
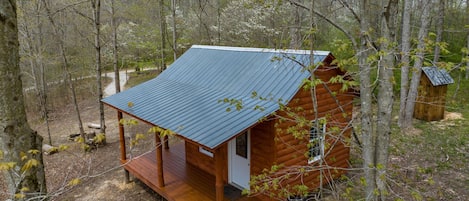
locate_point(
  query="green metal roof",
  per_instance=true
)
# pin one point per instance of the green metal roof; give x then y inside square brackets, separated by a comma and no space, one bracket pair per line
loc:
[185,98]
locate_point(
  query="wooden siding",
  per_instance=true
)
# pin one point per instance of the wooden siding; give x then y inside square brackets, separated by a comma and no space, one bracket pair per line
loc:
[204,162]
[290,151]
[262,141]
[431,100]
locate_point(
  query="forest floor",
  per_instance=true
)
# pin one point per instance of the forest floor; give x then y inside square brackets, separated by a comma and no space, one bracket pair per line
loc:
[428,163]
[101,177]
[99,171]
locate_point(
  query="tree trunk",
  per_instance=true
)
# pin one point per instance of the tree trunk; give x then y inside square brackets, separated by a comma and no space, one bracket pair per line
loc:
[417,68]
[467,40]
[405,59]
[467,62]
[16,136]
[66,73]
[96,5]
[115,56]
[295,29]
[218,22]
[173,23]
[34,44]
[312,69]
[162,34]
[385,95]
[439,30]
[368,136]
[204,27]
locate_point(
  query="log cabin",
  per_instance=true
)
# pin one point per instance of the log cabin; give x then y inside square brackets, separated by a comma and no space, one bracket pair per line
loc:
[233,109]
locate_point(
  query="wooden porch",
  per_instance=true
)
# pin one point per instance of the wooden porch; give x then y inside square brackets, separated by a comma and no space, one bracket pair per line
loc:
[182,180]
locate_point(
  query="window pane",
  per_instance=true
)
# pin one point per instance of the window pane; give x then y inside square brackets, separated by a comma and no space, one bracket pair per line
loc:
[315,141]
[242,145]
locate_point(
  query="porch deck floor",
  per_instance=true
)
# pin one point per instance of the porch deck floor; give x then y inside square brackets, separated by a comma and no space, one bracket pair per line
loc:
[183,181]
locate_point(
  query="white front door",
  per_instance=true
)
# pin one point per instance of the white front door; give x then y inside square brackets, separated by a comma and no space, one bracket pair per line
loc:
[239,161]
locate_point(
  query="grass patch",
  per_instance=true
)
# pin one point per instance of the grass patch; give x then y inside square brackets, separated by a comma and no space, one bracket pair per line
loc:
[136,78]
[431,160]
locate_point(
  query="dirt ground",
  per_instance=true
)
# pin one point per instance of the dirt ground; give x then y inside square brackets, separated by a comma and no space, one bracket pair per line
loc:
[101,178]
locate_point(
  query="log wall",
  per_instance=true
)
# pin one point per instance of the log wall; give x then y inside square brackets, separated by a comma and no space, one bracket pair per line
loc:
[291,151]
[262,141]
[204,162]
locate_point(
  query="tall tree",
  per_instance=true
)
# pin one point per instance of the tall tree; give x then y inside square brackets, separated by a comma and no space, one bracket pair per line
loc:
[375,39]
[417,67]
[364,50]
[386,65]
[405,58]
[467,39]
[96,7]
[439,30]
[162,34]
[60,35]
[173,25]
[17,139]
[31,30]
[219,8]
[312,77]
[295,27]
[376,141]
[115,57]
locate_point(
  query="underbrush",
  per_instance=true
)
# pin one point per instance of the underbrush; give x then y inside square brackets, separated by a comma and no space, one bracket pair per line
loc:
[59,96]
[431,161]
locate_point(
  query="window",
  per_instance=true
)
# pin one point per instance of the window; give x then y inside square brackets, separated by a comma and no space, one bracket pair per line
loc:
[316,143]
[206,152]
[242,145]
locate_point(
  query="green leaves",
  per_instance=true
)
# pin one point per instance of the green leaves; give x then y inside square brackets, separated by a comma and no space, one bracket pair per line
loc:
[7,165]
[74,182]
[34,151]
[346,83]
[237,103]
[309,84]
[29,164]
[140,136]
[20,195]
[100,138]
[161,131]
[128,122]
[80,140]
[63,147]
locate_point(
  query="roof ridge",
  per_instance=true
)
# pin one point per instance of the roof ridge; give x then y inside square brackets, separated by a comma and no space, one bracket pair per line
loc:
[253,49]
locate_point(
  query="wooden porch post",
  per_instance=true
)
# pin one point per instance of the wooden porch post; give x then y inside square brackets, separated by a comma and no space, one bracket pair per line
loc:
[219,175]
[159,159]
[122,144]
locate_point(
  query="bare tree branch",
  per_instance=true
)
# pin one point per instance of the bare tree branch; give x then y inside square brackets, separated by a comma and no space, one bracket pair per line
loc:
[83,15]
[67,6]
[340,28]
[355,15]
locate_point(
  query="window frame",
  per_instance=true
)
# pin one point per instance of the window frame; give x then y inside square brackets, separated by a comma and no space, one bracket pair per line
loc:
[320,144]
[205,152]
